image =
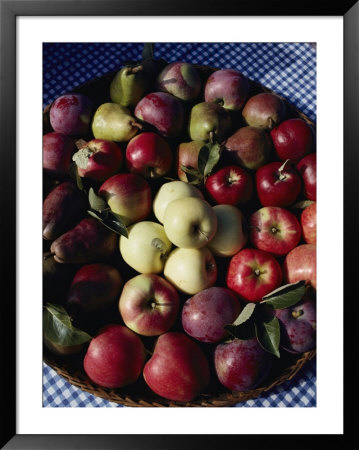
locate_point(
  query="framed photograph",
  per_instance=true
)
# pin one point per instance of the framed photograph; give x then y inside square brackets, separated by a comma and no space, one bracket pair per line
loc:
[296,54]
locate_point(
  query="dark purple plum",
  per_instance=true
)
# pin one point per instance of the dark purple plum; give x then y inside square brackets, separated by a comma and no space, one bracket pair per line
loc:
[71,114]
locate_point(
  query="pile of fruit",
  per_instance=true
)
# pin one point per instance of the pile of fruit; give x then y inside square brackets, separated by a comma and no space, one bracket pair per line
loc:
[179,226]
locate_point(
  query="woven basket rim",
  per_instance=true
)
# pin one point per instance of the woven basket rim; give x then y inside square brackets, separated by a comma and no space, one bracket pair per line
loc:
[79,379]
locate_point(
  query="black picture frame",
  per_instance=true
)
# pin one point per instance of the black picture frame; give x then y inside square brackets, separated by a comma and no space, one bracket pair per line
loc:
[9,11]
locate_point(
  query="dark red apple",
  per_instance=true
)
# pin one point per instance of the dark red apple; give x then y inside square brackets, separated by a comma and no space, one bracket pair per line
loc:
[71,114]
[307,167]
[230,185]
[301,264]
[163,111]
[264,110]
[253,273]
[241,365]
[278,184]
[98,159]
[57,151]
[227,87]
[149,304]
[292,139]
[178,369]
[206,313]
[298,326]
[149,154]
[308,220]
[275,230]
[94,287]
[115,357]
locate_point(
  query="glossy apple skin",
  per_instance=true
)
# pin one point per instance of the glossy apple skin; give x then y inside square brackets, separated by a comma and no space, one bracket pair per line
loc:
[63,207]
[228,87]
[115,357]
[308,221]
[178,369]
[241,365]
[180,79]
[230,185]
[298,326]
[148,154]
[307,167]
[301,264]
[149,304]
[264,110]
[250,147]
[292,139]
[71,114]
[163,111]
[277,187]
[105,159]
[275,230]
[128,195]
[253,273]
[187,155]
[57,152]
[94,287]
[205,314]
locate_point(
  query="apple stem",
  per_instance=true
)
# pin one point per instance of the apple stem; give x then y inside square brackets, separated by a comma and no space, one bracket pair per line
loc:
[132,70]
[203,234]
[281,168]
[211,137]
[137,125]
[296,314]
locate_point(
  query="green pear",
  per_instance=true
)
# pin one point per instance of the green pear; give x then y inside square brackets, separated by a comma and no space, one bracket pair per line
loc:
[114,122]
[209,122]
[129,85]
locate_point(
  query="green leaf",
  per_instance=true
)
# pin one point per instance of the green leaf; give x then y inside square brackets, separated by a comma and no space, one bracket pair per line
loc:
[75,176]
[148,50]
[268,335]
[245,314]
[285,296]
[96,202]
[193,175]
[302,204]
[203,156]
[58,327]
[110,220]
[243,326]
[208,157]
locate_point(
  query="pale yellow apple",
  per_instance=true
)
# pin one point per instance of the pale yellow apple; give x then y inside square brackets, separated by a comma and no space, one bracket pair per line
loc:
[146,247]
[171,191]
[231,235]
[190,222]
[191,270]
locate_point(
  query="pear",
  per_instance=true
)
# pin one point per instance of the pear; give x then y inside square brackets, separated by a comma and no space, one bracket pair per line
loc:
[209,122]
[129,85]
[114,122]
[87,242]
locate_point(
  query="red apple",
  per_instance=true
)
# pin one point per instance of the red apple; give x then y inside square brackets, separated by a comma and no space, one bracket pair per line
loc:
[230,185]
[178,369]
[163,111]
[148,154]
[115,357]
[205,314]
[128,195]
[227,87]
[94,287]
[57,150]
[149,304]
[292,139]
[187,155]
[241,365]
[253,274]
[275,230]
[307,167]
[301,264]
[180,79]
[278,184]
[308,220]
[298,326]
[98,159]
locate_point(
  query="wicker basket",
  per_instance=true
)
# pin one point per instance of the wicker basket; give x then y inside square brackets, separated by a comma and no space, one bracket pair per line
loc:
[138,394]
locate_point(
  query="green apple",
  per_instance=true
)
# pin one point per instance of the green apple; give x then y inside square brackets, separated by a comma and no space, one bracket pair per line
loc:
[114,122]
[231,235]
[146,247]
[191,270]
[190,222]
[171,191]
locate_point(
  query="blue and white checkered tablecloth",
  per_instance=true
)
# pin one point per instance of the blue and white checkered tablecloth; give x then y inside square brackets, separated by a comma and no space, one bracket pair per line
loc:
[287,68]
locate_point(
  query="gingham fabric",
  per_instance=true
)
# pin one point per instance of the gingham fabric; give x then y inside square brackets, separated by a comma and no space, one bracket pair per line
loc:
[287,68]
